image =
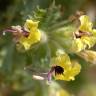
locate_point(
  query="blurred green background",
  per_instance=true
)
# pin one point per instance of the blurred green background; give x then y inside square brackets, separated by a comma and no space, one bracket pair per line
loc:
[14,80]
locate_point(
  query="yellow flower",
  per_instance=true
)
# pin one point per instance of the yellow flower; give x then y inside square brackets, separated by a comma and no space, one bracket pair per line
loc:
[34,34]
[64,69]
[84,36]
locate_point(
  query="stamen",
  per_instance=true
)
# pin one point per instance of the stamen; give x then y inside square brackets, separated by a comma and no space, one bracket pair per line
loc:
[16,31]
[4,33]
[25,33]
[9,30]
[80,33]
[49,75]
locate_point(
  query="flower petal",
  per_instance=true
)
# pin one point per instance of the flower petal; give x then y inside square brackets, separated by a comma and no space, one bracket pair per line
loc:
[77,45]
[86,25]
[89,41]
[62,60]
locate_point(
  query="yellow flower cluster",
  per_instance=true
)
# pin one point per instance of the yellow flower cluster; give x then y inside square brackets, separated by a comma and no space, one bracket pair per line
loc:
[64,68]
[34,34]
[85,35]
